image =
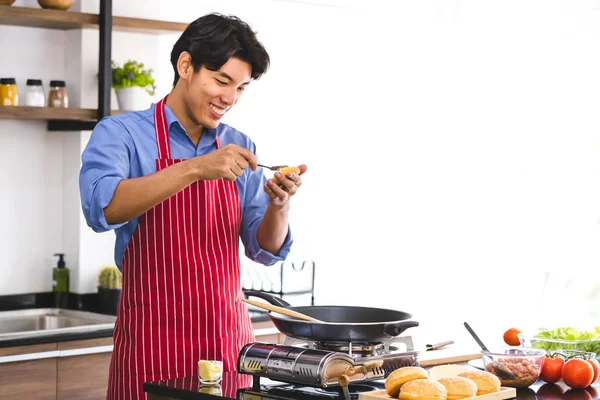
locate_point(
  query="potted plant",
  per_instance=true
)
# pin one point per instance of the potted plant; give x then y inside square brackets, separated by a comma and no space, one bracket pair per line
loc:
[133,85]
[109,289]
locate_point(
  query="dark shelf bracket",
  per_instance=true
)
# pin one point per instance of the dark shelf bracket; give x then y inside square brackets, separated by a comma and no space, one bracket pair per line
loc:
[70,125]
[104,66]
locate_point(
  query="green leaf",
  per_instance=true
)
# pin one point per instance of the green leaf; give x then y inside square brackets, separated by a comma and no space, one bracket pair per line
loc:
[132,73]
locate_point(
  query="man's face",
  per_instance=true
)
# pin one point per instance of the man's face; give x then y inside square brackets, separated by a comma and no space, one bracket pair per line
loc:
[210,94]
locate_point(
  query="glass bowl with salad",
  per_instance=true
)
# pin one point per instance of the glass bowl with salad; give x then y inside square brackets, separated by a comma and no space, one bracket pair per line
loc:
[564,338]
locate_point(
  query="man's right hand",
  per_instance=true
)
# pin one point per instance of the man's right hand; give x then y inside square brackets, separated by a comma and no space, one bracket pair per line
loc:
[228,163]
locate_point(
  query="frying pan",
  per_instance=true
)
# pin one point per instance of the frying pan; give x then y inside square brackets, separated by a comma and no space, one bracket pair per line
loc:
[340,323]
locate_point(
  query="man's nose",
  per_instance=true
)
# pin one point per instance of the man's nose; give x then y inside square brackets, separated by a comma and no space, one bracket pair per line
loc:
[229,97]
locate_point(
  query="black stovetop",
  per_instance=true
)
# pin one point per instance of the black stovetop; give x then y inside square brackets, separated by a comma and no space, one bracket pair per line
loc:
[236,386]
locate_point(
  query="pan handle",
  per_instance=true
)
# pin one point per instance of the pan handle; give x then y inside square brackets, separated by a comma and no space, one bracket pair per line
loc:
[276,301]
[397,328]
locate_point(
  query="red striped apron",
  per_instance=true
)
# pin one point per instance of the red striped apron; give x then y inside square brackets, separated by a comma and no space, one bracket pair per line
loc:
[181,298]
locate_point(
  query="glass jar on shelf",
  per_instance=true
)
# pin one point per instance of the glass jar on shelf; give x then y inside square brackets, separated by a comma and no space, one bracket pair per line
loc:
[34,93]
[8,92]
[57,95]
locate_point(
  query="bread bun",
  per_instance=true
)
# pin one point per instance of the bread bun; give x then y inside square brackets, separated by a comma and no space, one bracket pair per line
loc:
[486,381]
[402,375]
[442,371]
[458,387]
[423,389]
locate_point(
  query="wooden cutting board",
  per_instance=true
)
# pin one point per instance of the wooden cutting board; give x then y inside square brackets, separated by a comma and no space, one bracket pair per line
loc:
[504,393]
[450,355]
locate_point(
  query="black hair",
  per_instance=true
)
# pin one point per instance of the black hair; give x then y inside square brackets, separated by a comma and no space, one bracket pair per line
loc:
[214,38]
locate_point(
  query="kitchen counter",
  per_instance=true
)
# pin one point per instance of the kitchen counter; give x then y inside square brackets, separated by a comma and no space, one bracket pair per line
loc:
[236,386]
[63,335]
[56,337]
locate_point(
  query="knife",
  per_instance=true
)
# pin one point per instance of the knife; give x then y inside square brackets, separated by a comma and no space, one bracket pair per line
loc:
[437,346]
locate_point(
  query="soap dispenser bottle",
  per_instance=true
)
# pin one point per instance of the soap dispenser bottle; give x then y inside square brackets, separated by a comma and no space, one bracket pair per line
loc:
[60,281]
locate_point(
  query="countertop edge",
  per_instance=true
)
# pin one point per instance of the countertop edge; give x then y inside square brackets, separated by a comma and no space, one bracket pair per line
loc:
[58,337]
[67,336]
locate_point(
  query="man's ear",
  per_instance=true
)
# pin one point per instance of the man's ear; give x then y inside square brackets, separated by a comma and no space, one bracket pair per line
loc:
[184,65]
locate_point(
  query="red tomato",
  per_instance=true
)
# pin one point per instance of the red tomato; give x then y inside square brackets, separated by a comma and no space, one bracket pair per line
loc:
[596,367]
[577,373]
[552,369]
[510,337]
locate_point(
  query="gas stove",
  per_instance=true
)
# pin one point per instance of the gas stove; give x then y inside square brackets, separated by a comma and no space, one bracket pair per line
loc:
[301,392]
[299,370]
[322,370]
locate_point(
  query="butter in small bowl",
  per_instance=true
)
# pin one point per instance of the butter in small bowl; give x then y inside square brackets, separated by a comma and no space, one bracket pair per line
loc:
[210,371]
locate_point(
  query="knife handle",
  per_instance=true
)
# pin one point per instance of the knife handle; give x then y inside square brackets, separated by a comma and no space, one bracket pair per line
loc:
[436,346]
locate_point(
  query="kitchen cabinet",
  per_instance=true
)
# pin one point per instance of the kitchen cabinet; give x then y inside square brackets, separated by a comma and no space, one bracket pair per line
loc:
[75,369]
[66,370]
[28,379]
[82,369]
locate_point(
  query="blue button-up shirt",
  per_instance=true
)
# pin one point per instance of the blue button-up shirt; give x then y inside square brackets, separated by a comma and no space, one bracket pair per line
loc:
[124,147]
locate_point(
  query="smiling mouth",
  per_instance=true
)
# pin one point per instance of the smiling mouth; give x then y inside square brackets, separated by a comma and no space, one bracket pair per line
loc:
[218,110]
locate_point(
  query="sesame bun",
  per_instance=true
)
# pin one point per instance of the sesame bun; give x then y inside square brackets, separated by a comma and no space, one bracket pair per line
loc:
[402,375]
[458,387]
[423,389]
[486,381]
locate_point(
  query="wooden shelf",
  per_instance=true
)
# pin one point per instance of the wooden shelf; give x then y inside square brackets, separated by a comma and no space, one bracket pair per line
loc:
[126,24]
[47,113]
[50,113]
[55,19]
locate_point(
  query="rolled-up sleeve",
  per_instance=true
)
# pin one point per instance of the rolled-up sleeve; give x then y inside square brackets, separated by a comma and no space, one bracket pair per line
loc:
[105,162]
[254,206]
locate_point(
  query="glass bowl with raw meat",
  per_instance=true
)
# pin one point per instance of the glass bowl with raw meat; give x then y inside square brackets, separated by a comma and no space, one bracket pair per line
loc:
[524,363]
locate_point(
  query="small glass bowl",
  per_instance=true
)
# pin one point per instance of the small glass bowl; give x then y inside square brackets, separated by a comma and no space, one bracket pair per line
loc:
[525,363]
[210,372]
[566,353]
[588,345]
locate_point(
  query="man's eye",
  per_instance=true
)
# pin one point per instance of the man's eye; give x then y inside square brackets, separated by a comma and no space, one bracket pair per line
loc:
[241,88]
[221,82]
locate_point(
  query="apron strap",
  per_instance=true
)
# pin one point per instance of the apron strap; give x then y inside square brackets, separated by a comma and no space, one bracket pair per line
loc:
[161,130]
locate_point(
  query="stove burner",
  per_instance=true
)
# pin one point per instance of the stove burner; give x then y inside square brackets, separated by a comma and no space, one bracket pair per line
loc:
[352,348]
[398,344]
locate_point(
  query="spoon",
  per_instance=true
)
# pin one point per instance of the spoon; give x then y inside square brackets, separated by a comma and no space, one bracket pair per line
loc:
[501,370]
[273,168]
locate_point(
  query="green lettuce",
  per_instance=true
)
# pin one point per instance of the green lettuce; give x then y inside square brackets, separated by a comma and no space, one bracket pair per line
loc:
[582,340]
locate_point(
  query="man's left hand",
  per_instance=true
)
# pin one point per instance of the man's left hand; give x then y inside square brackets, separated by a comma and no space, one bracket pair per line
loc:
[279,195]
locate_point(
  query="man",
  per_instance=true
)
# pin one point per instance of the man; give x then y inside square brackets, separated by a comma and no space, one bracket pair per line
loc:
[180,188]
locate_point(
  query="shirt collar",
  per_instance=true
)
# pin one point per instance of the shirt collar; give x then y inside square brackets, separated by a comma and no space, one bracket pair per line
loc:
[172,119]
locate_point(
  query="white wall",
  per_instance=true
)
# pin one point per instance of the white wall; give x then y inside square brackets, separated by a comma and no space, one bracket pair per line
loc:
[450,145]
[31,167]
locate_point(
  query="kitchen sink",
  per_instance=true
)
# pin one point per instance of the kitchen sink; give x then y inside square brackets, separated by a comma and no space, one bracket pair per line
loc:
[49,321]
